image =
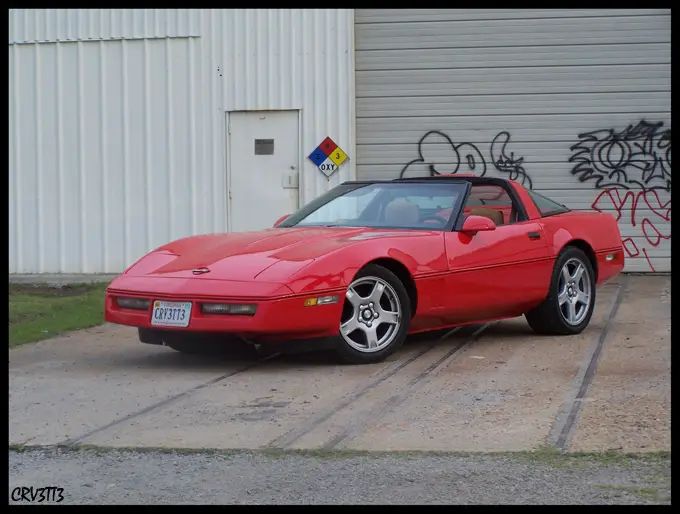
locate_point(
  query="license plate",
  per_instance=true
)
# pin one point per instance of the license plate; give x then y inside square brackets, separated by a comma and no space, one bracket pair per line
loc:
[171,314]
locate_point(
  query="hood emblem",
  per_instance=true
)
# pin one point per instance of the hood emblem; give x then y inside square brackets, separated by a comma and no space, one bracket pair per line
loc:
[200,271]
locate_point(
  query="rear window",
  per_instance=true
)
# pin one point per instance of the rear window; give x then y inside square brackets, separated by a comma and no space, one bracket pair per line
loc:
[546,206]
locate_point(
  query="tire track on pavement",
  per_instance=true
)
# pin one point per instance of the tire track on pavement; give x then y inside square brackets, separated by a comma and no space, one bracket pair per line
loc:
[291,437]
[358,425]
[164,402]
[566,418]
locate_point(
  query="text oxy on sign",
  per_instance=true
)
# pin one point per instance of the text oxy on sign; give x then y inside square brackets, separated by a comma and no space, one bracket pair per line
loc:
[328,157]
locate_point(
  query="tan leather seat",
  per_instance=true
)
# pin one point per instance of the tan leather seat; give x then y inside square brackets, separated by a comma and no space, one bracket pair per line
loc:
[492,214]
[402,212]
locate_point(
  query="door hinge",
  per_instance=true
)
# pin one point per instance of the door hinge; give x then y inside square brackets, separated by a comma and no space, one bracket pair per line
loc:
[229,129]
[229,194]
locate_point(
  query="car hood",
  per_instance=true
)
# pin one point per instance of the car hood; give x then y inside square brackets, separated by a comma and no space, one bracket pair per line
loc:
[245,255]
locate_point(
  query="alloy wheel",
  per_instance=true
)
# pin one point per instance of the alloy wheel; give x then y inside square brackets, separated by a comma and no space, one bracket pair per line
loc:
[574,296]
[371,315]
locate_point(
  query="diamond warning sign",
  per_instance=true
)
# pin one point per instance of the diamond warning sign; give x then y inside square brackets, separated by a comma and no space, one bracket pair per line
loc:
[328,156]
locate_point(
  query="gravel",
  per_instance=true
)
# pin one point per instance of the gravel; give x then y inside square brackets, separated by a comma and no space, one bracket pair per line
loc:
[91,476]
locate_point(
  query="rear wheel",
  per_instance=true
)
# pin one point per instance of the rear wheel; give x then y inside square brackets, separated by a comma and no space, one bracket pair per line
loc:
[571,300]
[375,318]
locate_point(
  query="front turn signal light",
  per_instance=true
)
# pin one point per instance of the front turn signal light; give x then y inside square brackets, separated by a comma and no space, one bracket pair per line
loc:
[321,300]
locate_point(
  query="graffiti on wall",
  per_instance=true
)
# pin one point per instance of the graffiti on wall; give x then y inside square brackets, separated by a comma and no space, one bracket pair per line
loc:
[508,164]
[438,154]
[637,157]
[647,213]
[631,169]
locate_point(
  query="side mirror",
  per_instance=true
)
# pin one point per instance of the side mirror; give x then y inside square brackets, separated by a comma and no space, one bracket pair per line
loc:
[474,224]
[280,220]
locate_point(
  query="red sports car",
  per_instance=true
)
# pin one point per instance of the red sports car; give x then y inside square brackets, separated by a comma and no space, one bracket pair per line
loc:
[367,263]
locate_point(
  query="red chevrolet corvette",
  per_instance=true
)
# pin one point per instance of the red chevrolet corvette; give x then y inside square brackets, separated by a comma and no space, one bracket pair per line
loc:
[366,264]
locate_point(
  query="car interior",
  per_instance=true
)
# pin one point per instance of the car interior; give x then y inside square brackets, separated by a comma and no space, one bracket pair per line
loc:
[401,212]
[490,201]
[494,215]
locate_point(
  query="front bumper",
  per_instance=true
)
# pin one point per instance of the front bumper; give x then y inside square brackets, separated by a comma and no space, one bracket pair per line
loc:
[275,319]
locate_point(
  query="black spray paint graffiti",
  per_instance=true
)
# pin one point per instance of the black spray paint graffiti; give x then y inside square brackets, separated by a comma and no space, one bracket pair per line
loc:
[637,157]
[464,158]
[506,164]
[632,170]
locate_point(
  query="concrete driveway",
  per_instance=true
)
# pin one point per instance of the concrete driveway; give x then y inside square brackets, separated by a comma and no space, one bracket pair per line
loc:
[495,387]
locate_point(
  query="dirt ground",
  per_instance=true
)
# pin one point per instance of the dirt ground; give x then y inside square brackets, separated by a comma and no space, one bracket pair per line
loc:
[484,388]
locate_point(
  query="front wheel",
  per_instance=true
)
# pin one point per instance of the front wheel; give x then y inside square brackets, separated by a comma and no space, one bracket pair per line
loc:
[375,317]
[571,300]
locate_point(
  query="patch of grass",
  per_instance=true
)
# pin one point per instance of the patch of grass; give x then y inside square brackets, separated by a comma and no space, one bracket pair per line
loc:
[551,456]
[39,312]
[544,455]
[652,494]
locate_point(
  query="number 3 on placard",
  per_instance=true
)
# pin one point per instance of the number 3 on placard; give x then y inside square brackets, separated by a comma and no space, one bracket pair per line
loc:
[337,155]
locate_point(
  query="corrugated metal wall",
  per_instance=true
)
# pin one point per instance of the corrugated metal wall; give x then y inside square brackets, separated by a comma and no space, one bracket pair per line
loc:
[117,121]
[54,25]
[576,103]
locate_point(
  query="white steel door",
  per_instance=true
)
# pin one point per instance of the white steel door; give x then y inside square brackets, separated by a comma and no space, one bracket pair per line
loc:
[263,155]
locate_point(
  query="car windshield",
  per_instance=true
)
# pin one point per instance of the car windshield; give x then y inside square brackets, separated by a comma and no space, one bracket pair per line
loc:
[408,205]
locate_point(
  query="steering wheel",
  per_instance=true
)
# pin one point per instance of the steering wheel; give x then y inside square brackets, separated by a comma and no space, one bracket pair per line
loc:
[435,218]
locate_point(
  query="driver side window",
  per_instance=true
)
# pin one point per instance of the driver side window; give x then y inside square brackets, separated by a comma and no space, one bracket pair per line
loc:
[492,202]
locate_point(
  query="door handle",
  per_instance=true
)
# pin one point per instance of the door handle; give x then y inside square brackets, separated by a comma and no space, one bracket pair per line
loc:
[534,235]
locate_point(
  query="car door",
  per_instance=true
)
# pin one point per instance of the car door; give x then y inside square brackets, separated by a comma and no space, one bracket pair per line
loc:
[497,273]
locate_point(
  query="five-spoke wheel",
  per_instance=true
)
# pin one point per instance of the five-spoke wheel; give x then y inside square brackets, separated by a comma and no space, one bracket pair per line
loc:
[570,301]
[371,320]
[574,291]
[375,316]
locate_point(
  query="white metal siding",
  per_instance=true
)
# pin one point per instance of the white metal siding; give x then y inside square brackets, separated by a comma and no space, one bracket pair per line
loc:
[53,25]
[117,121]
[103,152]
[542,76]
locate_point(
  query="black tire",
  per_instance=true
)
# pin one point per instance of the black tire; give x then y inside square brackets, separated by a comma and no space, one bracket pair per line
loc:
[351,355]
[548,318]
[208,344]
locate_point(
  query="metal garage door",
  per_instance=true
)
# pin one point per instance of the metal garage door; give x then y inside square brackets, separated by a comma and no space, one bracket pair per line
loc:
[574,103]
